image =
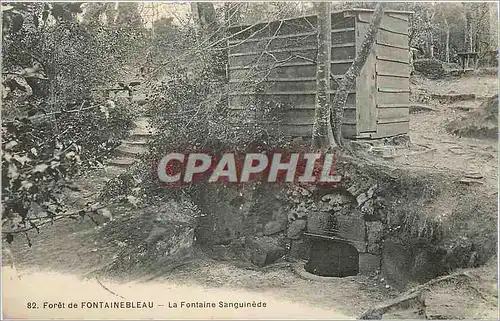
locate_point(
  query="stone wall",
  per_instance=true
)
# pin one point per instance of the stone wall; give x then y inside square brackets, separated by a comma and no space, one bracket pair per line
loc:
[273,218]
[394,218]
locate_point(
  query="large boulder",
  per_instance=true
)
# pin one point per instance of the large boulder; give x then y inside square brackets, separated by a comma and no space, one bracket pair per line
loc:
[263,251]
[150,240]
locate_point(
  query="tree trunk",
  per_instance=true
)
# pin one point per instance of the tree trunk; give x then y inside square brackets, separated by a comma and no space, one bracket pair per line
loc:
[447,40]
[350,76]
[321,132]
[204,16]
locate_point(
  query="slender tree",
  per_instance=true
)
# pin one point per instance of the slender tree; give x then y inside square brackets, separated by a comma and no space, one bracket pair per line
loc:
[321,130]
[350,76]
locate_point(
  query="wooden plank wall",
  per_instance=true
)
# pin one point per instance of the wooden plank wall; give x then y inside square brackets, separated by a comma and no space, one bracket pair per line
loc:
[275,62]
[392,76]
[278,60]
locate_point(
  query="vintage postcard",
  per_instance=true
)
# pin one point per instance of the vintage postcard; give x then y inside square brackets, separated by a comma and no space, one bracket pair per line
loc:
[249,160]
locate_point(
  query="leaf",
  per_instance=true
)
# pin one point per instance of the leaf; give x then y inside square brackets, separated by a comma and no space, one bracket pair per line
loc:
[35,20]
[70,155]
[45,15]
[26,185]
[133,200]
[9,238]
[74,188]
[106,213]
[17,82]
[7,157]
[40,168]
[11,144]
[17,22]
[6,7]
[22,159]
[105,111]
[12,173]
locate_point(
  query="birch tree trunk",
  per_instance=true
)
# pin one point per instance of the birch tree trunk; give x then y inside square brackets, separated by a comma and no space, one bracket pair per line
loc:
[350,76]
[447,40]
[321,129]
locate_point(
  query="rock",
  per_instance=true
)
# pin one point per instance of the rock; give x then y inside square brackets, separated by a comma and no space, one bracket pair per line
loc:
[300,212]
[336,199]
[300,249]
[263,251]
[362,198]
[279,214]
[367,209]
[368,263]
[296,228]
[354,190]
[374,231]
[371,191]
[318,222]
[274,227]
[156,234]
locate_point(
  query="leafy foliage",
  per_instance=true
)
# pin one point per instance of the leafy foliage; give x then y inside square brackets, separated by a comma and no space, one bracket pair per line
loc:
[55,123]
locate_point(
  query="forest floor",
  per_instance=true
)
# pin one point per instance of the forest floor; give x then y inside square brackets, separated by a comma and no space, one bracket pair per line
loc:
[56,268]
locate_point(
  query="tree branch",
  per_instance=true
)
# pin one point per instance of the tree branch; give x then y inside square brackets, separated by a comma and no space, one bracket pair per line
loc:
[354,71]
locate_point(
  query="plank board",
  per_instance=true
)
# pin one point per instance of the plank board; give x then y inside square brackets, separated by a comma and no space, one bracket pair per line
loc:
[276,72]
[297,130]
[392,98]
[399,54]
[348,131]
[393,82]
[349,116]
[278,27]
[339,69]
[290,101]
[351,99]
[274,56]
[343,37]
[342,53]
[392,113]
[392,68]
[272,43]
[400,16]
[388,130]
[365,86]
[387,37]
[268,86]
[298,116]
[340,21]
[388,23]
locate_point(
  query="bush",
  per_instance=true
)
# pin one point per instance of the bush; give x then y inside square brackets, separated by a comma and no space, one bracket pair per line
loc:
[430,68]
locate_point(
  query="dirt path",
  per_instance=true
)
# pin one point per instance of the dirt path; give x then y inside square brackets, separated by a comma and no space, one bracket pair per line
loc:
[28,286]
[433,148]
[64,253]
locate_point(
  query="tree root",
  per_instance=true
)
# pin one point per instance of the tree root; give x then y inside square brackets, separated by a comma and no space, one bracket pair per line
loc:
[415,298]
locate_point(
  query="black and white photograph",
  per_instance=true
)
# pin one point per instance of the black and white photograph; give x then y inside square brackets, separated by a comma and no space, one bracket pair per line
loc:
[249,160]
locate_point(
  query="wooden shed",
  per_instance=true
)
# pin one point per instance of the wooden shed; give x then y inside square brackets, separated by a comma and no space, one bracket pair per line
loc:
[277,61]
